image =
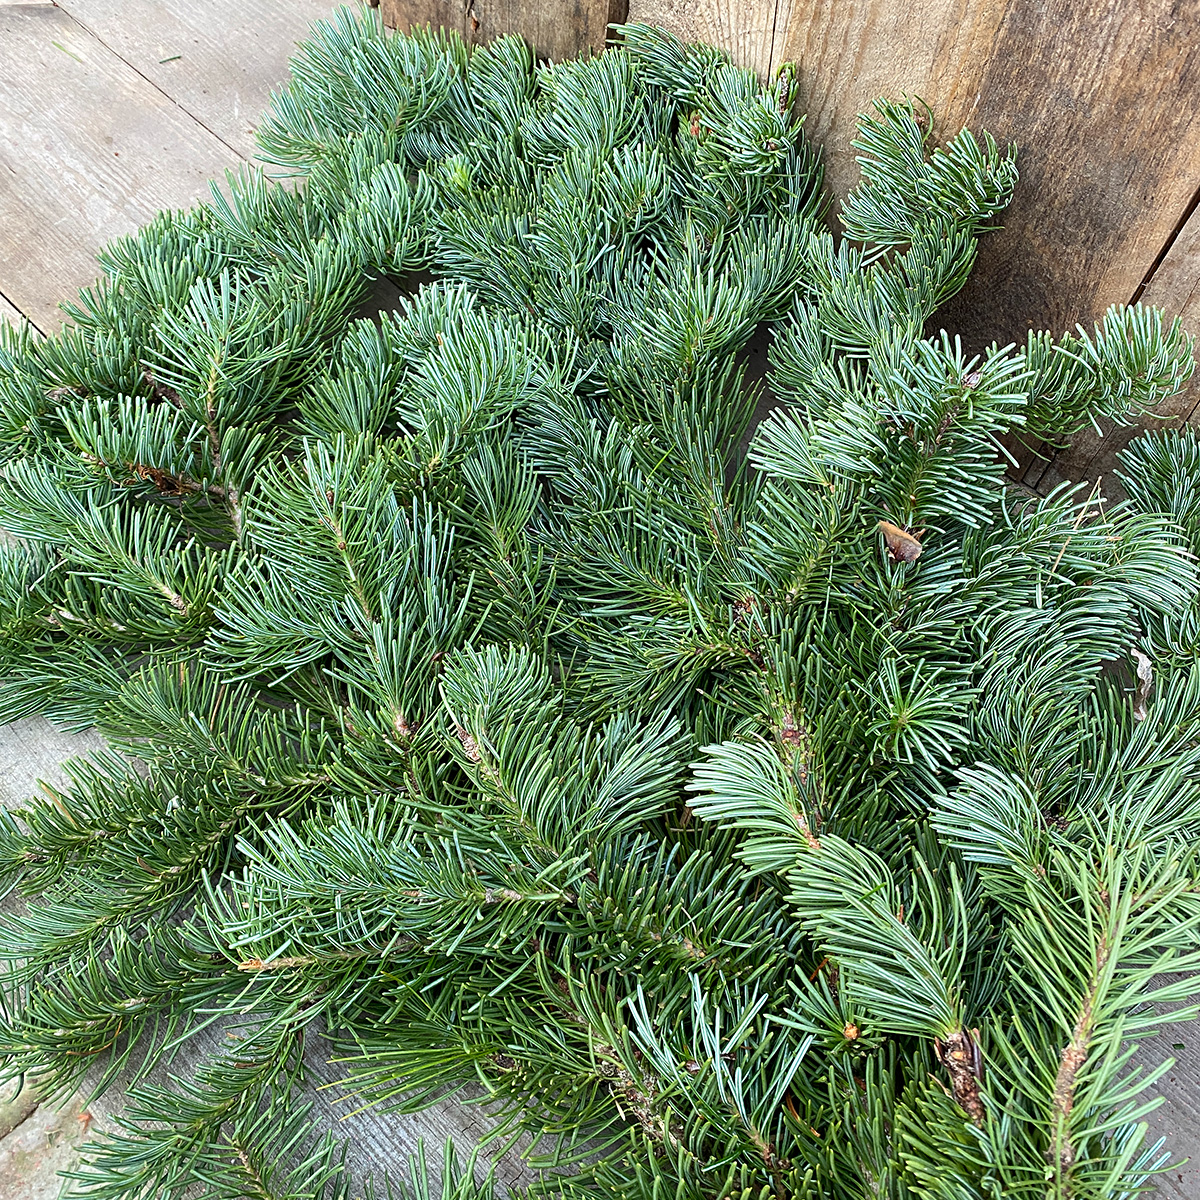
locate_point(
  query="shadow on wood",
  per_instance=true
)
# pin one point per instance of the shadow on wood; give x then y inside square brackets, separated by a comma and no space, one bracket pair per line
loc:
[557,29]
[1101,101]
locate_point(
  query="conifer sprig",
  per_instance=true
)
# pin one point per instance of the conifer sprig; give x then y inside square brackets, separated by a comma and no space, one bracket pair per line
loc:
[817,821]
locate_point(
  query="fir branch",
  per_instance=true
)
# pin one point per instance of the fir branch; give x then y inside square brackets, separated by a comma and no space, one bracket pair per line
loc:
[416,623]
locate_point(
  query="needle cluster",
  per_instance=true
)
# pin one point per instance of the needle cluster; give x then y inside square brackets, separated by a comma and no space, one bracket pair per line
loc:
[820,820]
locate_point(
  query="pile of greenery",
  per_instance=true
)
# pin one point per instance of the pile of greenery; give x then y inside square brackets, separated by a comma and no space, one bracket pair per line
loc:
[821,821]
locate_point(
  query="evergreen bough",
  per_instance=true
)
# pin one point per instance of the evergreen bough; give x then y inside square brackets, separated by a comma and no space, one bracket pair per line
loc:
[821,822]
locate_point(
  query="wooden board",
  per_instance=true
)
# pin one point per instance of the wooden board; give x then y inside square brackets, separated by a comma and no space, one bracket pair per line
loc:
[1174,287]
[1103,105]
[88,150]
[8,314]
[217,60]
[1101,101]
[754,32]
[557,29]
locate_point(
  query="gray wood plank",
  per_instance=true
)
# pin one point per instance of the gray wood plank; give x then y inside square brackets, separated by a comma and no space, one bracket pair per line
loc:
[33,751]
[88,150]
[44,1143]
[218,60]
[8,314]
[377,1142]
[556,29]
[1175,288]
[1178,1119]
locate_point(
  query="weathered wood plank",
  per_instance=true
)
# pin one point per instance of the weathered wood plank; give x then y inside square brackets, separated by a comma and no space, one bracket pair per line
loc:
[754,32]
[557,29]
[1100,101]
[1102,104]
[8,314]
[383,1142]
[848,53]
[33,751]
[1174,287]
[218,60]
[88,150]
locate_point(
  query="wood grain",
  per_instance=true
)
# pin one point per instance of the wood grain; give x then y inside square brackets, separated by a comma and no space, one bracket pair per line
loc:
[556,29]
[1101,100]
[8,314]
[88,150]
[218,60]
[754,32]
[1175,288]
[849,54]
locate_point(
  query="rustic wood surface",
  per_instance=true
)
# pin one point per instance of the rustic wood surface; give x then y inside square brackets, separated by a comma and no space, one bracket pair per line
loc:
[557,29]
[754,32]
[8,313]
[97,132]
[89,149]
[1106,117]
[217,60]
[1102,101]
[1174,287]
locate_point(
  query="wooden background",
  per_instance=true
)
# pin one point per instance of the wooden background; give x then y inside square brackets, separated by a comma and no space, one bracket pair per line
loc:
[1102,99]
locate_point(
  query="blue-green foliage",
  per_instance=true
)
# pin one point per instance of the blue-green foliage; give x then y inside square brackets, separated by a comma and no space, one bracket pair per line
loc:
[806,821]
